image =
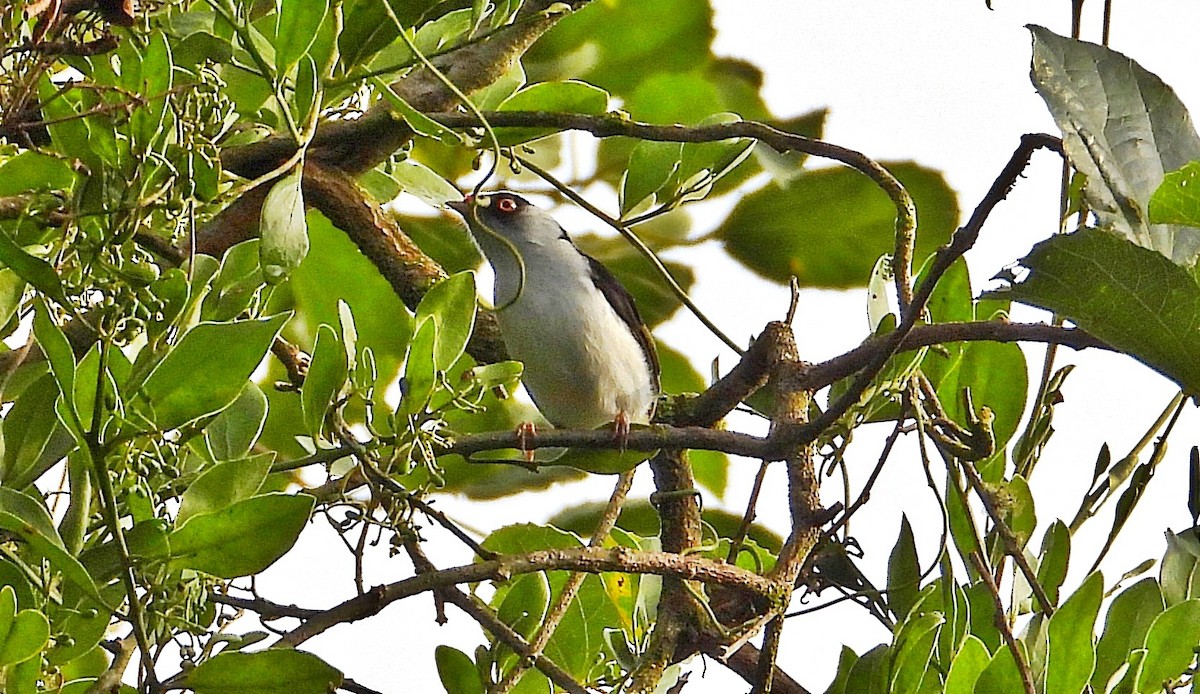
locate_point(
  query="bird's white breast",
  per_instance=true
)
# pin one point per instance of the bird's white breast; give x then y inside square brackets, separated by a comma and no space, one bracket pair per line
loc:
[582,364]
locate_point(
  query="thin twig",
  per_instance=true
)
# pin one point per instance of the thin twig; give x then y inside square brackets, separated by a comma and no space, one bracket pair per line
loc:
[1002,624]
[735,544]
[559,609]
[1012,547]
[488,619]
[865,494]
[641,247]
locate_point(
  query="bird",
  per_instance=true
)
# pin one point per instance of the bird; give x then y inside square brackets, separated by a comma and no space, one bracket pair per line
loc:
[589,358]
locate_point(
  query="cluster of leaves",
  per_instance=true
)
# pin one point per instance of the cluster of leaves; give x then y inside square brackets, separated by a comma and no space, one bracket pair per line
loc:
[177,458]
[1131,280]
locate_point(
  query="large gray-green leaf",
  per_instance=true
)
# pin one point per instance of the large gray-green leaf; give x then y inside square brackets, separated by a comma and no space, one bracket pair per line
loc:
[1132,298]
[275,671]
[828,227]
[1124,129]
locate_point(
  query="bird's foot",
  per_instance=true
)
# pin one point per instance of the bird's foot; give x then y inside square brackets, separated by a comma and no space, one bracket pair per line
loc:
[621,429]
[526,432]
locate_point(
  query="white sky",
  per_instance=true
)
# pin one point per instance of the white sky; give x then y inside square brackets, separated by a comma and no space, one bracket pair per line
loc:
[941,82]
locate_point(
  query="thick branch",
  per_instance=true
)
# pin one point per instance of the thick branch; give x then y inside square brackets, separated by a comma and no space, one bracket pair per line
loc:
[355,146]
[741,382]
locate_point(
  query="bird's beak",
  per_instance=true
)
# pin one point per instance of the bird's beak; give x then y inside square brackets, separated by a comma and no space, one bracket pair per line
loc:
[462,207]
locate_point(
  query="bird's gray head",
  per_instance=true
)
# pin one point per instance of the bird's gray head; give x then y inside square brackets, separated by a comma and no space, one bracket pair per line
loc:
[509,216]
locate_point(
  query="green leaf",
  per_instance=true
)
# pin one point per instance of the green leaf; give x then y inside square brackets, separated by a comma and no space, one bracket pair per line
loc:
[37,272]
[146,542]
[419,122]
[785,166]
[273,671]
[571,96]
[1131,298]
[243,538]
[28,519]
[968,664]
[1071,654]
[235,284]
[419,370]
[1123,129]
[308,89]
[1001,674]
[521,538]
[87,375]
[424,183]
[1020,514]
[235,431]
[366,29]
[995,373]
[28,428]
[34,171]
[23,634]
[67,129]
[615,49]
[223,485]
[912,652]
[1179,572]
[151,77]
[12,290]
[602,462]
[325,378]
[704,163]
[827,227]
[190,383]
[869,674]
[962,529]
[296,26]
[451,305]
[1170,646]
[58,353]
[651,166]
[579,641]
[1175,201]
[904,572]
[283,230]
[445,240]
[1130,615]
[846,661]
[711,469]
[457,671]
[526,601]
[1052,564]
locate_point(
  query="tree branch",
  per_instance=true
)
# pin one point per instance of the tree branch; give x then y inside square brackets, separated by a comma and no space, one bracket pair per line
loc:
[589,559]
[567,595]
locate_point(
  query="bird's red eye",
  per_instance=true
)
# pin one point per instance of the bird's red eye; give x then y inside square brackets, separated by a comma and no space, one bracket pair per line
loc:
[506,205]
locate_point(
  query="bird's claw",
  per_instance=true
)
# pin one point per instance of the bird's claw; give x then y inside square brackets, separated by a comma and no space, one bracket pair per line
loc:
[621,429]
[526,432]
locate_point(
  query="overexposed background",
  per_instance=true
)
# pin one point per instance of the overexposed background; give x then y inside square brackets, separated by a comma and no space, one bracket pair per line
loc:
[944,83]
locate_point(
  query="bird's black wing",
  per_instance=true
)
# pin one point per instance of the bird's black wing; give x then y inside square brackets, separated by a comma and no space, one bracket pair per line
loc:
[622,302]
